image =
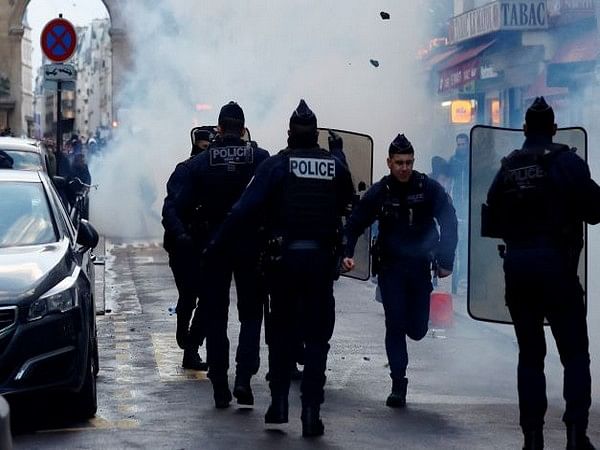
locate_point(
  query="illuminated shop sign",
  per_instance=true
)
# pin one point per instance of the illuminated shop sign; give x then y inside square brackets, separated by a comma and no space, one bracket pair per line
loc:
[497,16]
[462,111]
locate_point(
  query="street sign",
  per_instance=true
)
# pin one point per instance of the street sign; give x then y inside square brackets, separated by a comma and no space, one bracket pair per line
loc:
[58,40]
[53,85]
[60,72]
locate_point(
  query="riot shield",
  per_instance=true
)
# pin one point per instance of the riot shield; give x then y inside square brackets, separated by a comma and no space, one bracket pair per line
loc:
[358,152]
[485,295]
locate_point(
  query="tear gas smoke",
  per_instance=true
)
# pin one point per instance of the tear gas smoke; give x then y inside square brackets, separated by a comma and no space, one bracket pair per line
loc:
[265,58]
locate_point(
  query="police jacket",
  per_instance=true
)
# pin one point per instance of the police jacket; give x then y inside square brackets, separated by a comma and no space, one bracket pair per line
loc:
[409,215]
[298,194]
[542,195]
[169,213]
[209,184]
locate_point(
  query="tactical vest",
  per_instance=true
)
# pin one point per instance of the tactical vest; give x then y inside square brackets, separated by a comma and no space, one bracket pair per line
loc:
[308,209]
[230,169]
[529,209]
[408,212]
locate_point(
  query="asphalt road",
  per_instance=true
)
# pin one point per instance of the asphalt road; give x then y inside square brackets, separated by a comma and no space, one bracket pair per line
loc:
[462,381]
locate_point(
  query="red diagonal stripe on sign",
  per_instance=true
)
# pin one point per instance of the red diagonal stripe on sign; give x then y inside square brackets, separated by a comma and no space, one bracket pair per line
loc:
[58,39]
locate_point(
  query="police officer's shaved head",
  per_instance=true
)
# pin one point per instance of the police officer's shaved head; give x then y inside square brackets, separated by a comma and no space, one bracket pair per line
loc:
[539,119]
[231,118]
[401,146]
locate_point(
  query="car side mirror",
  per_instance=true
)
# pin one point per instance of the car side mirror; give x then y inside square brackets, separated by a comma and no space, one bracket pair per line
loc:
[87,236]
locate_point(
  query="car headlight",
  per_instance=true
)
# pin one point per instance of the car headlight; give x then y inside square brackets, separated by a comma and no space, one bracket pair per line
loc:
[59,299]
[58,303]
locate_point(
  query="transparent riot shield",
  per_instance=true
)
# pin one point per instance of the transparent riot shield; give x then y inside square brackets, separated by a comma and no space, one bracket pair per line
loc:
[485,295]
[358,151]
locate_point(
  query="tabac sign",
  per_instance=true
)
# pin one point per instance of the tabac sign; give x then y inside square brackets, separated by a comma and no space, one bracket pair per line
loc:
[497,16]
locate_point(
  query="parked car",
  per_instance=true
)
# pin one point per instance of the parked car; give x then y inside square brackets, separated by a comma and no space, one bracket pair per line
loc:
[28,154]
[48,338]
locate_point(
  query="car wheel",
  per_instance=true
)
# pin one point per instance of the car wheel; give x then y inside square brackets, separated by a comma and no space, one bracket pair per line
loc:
[86,401]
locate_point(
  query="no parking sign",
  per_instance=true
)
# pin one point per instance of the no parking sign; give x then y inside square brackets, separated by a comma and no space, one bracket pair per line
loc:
[58,40]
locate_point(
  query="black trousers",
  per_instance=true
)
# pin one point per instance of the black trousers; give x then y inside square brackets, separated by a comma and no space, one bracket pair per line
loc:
[302,304]
[185,269]
[251,297]
[543,283]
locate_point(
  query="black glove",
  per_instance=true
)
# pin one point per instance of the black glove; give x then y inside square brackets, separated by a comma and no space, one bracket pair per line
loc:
[335,141]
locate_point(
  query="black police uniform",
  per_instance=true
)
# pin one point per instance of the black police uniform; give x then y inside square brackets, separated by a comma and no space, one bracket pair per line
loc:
[301,193]
[538,204]
[408,243]
[184,263]
[214,181]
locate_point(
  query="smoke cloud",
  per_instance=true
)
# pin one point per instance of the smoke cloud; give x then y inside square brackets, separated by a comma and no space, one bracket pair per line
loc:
[266,58]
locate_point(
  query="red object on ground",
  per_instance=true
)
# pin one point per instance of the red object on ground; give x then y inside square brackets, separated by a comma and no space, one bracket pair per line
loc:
[441,313]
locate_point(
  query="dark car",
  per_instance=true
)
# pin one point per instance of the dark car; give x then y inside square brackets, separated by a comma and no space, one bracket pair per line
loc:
[48,337]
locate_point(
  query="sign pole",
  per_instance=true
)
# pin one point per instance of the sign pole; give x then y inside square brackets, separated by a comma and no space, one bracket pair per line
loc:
[59,154]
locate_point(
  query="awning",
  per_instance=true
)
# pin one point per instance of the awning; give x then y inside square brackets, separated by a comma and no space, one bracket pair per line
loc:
[584,48]
[539,88]
[438,58]
[465,55]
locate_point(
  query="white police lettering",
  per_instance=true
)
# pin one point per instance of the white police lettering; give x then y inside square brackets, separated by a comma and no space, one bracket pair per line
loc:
[221,156]
[318,169]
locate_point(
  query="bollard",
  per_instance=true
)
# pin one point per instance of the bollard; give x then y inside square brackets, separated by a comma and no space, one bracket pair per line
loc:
[5,436]
[441,312]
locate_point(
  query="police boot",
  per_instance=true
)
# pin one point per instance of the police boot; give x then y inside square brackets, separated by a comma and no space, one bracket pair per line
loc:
[221,393]
[192,360]
[577,438]
[311,422]
[242,390]
[533,440]
[278,410]
[182,333]
[397,399]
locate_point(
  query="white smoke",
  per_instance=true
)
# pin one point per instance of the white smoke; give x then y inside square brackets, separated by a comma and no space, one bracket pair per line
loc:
[266,58]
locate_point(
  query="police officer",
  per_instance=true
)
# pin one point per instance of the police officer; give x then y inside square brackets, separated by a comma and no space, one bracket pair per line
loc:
[301,193]
[214,181]
[407,205]
[538,204]
[200,141]
[183,261]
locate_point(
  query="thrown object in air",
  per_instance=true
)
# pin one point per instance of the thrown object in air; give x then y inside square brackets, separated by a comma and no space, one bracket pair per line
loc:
[374,62]
[384,15]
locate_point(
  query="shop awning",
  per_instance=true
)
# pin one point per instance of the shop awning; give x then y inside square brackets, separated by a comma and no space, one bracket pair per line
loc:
[584,48]
[539,88]
[465,55]
[438,58]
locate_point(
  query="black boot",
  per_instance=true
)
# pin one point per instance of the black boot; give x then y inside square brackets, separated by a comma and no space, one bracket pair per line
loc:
[577,438]
[278,411]
[242,390]
[397,399]
[221,393]
[311,422]
[192,360]
[533,440]
[182,333]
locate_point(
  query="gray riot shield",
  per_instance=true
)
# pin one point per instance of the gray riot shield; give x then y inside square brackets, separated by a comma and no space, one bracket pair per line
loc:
[358,152]
[486,276]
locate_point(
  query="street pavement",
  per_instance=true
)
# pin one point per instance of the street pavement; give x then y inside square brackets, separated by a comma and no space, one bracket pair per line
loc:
[461,393]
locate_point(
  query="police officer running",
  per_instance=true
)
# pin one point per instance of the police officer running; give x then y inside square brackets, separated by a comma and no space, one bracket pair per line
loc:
[215,179]
[183,261]
[301,193]
[407,205]
[538,204]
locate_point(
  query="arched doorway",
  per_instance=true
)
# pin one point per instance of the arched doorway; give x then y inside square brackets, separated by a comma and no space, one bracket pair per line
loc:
[13,86]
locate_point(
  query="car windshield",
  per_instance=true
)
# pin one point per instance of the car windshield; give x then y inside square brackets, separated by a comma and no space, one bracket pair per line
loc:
[24,160]
[25,217]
